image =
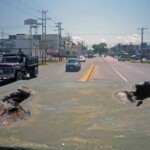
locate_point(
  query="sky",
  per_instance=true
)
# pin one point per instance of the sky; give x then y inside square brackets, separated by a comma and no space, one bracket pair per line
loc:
[90,21]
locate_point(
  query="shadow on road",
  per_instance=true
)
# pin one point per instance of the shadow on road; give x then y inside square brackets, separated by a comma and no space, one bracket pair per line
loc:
[5,82]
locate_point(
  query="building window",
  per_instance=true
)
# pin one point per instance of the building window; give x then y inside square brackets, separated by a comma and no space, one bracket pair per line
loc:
[52,41]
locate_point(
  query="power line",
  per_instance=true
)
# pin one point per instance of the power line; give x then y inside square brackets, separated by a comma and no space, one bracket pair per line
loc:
[20,7]
[28,4]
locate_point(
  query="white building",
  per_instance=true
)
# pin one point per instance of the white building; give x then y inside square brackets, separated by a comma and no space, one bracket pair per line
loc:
[34,45]
[12,46]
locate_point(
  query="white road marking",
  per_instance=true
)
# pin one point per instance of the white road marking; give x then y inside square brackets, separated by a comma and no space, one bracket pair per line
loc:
[119,74]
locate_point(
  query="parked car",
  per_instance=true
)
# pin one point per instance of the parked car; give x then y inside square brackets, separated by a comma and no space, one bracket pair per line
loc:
[73,64]
[121,58]
[136,57]
[82,58]
[96,55]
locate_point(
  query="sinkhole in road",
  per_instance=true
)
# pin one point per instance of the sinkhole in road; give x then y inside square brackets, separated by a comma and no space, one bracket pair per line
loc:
[12,106]
[141,93]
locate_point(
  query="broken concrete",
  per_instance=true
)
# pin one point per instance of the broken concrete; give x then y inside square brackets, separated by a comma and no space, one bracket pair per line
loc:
[10,106]
[141,93]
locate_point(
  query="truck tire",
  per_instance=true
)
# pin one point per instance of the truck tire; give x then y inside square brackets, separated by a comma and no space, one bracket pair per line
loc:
[34,72]
[18,76]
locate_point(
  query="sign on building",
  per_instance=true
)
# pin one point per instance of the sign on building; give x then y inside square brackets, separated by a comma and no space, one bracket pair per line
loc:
[30,22]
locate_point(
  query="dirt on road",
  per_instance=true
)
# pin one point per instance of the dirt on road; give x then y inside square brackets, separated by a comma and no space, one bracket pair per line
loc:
[80,116]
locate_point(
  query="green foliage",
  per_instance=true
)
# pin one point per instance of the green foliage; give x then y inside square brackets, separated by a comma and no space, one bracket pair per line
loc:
[100,48]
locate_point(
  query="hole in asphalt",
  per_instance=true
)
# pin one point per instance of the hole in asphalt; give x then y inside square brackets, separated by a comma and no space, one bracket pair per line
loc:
[141,92]
[11,109]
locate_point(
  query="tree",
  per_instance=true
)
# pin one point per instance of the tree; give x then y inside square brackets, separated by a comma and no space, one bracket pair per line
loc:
[100,48]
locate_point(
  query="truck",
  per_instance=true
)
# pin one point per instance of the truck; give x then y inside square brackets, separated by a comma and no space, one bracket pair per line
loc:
[16,67]
[90,54]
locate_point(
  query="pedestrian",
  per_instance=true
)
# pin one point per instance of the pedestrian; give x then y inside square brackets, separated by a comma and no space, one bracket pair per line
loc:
[20,52]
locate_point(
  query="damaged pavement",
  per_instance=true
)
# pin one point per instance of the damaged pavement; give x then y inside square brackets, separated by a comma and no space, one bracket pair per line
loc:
[69,116]
[11,109]
[141,92]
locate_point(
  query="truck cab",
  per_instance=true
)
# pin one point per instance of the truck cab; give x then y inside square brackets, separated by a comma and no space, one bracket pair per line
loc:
[14,66]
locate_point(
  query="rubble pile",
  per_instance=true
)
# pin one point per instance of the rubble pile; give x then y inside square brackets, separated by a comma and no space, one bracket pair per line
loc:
[10,106]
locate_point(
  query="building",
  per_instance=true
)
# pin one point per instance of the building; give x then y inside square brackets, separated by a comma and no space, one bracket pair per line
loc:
[146,52]
[129,49]
[12,46]
[33,45]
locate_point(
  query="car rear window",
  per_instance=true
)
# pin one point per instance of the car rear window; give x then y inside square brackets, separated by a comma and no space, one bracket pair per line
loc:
[72,60]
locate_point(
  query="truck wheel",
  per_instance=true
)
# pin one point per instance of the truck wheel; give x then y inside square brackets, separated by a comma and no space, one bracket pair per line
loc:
[34,72]
[18,76]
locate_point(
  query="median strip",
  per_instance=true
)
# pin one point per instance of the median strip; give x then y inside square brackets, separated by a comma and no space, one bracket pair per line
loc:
[87,75]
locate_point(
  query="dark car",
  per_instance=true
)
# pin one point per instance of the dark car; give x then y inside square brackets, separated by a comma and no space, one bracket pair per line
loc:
[136,57]
[73,64]
[121,59]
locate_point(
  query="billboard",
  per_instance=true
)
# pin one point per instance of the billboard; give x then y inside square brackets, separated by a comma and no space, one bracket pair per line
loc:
[30,22]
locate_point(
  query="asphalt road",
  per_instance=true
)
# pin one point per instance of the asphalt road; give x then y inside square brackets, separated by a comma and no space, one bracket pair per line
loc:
[106,68]
[67,114]
[55,72]
[110,69]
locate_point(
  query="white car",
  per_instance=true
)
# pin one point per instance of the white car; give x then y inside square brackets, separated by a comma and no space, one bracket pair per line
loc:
[82,59]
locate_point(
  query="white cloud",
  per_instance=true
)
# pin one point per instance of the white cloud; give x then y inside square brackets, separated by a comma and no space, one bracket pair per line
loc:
[103,40]
[134,38]
[119,37]
[76,39]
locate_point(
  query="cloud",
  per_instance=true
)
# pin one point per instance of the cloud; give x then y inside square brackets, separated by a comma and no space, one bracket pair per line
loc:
[134,38]
[103,40]
[119,37]
[76,39]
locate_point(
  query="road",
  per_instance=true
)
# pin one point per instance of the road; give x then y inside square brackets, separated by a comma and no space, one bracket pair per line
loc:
[109,68]
[106,68]
[67,114]
[55,72]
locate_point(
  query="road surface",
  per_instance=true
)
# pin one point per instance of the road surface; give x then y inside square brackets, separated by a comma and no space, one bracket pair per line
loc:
[109,68]
[67,114]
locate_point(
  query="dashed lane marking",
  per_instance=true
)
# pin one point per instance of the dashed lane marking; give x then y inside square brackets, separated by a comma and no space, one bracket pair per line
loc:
[120,74]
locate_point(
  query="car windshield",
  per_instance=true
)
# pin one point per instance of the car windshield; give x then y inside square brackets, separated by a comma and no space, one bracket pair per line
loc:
[10,60]
[83,78]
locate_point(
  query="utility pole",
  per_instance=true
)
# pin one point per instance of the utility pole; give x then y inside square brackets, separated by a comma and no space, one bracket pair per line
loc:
[58,25]
[142,33]
[43,39]
[82,46]
[68,44]
[2,39]
[68,38]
